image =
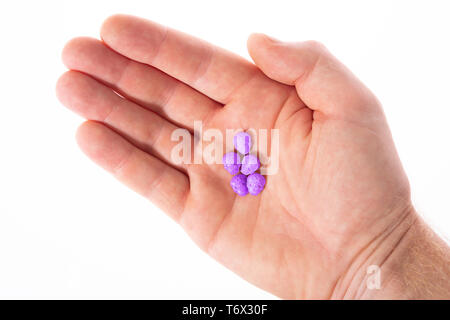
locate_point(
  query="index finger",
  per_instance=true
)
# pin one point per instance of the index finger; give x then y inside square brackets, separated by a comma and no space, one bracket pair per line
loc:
[211,70]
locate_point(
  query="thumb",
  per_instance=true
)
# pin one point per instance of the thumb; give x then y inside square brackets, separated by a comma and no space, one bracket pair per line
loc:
[322,82]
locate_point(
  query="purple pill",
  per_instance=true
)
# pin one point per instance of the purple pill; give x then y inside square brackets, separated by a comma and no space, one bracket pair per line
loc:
[243,142]
[250,164]
[231,162]
[239,184]
[255,183]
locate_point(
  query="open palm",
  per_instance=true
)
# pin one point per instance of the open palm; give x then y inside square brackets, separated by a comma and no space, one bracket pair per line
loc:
[339,193]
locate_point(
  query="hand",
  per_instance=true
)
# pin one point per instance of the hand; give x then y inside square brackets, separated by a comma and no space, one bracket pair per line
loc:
[340,200]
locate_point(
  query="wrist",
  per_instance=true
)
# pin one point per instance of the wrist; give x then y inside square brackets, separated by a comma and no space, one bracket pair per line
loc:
[390,259]
[418,267]
[407,262]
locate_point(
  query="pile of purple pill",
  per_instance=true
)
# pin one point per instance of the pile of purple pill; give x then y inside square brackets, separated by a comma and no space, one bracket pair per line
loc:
[248,180]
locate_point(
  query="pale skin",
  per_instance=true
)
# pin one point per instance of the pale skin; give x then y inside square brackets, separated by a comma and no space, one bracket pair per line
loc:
[340,201]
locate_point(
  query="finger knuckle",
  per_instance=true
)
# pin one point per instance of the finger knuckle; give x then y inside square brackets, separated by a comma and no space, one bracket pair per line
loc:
[316,46]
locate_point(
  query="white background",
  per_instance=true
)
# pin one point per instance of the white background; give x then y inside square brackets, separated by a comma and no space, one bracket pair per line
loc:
[69,230]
